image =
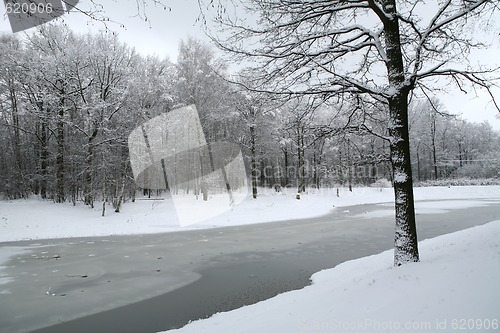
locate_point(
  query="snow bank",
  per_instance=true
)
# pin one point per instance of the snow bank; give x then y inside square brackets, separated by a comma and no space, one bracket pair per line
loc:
[460,182]
[39,219]
[455,286]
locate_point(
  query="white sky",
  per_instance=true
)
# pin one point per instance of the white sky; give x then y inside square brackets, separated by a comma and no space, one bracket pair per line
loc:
[161,35]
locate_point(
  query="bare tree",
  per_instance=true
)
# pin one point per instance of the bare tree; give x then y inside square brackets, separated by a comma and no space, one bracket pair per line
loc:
[10,99]
[249,110]
[253,116]
[382,51]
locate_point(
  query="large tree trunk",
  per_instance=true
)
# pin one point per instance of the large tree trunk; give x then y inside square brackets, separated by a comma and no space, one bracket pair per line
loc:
[406,246]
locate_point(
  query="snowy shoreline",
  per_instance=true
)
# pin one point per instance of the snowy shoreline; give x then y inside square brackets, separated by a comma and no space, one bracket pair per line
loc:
[455,284]
[34,219]
[454,287]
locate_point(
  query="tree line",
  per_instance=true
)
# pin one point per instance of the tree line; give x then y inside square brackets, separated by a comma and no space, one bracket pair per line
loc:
[68,103]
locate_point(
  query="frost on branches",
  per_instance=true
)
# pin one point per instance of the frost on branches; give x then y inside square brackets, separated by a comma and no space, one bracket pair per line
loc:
[372,55]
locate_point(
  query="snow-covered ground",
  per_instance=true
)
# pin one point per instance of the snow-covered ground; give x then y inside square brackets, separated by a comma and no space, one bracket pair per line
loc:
[41,219]
[454,288]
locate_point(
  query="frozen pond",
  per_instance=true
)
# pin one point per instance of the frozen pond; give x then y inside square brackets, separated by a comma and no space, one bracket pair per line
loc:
[156,282]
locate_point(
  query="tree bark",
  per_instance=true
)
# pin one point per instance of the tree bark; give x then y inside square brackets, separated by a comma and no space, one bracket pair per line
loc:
[349,164]
[285,174]
[300,162]
[16,142]
[277,177]
[433,141]
[89,172]
[60,193]
[406,246]
[253,161]
[44,158]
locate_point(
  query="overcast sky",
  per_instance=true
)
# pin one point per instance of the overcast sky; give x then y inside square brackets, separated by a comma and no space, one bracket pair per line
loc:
[161,35]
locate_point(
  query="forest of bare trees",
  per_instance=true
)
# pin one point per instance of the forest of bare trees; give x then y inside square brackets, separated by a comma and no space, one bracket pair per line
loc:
[68,103]
[373,55]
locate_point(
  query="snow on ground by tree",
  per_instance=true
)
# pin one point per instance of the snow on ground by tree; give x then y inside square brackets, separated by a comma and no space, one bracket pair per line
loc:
[455,287]
[39,219]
